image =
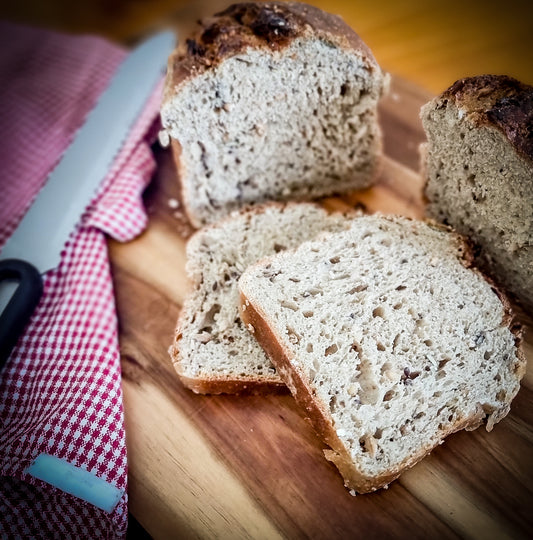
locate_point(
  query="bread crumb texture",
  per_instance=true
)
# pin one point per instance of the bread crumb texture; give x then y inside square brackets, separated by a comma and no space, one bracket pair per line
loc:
[390,341]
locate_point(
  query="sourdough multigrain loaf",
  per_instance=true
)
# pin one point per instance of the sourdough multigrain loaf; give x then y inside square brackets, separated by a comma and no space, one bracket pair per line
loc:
[271,101]
[479,170]
[388,339]
[212,351]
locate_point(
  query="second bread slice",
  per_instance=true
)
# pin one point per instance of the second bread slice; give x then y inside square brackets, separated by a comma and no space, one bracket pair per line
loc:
[213,353]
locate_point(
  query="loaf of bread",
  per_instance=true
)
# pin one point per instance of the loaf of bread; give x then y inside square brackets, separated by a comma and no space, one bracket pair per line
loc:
[270,101]
[212,352]
[479,168]
[388,339]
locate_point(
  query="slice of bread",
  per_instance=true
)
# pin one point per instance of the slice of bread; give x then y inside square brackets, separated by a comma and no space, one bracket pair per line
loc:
[213,353]
[271,101]
[479,169]
[388,339]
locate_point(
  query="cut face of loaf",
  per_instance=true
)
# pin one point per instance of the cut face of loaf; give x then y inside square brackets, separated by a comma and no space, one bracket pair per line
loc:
[271,102]
[479,170]
[387,339]
[213,352]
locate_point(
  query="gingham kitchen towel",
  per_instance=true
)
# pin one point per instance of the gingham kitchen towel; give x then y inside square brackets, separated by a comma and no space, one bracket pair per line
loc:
[60,391]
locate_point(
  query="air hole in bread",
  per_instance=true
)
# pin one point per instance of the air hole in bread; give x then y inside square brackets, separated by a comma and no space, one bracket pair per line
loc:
[210,316]
[378,312]
[312,291]
[358,288]
[369,393]
[389,395]
[332,349]
[501,395]
[395,341]
[289,305]
[333,403]
[294,337]
[443,362]
[356,347]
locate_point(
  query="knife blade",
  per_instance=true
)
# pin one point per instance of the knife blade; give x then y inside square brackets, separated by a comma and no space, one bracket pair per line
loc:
[35,246]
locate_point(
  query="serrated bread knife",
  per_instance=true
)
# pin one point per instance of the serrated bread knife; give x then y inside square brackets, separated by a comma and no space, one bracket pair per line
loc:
[35,246]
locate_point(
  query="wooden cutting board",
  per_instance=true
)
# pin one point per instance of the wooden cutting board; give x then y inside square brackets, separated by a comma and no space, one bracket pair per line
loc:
[250,466]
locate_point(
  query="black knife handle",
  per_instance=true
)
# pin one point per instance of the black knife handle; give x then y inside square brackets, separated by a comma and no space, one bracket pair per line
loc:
[18,311]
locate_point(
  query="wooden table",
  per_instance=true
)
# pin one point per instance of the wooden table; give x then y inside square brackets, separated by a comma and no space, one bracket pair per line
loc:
[250,466]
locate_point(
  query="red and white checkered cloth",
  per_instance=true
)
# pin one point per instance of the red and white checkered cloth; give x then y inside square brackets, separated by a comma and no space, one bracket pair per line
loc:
[60,392]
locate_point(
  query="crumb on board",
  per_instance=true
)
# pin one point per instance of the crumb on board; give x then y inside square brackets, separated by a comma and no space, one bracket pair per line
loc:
[164,138]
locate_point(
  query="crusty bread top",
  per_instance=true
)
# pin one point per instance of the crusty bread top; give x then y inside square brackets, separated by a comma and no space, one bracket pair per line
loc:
[499,101]
[272,26]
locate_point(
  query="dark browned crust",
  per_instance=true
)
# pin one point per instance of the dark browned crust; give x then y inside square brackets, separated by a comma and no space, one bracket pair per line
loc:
[499,101]
[270,26]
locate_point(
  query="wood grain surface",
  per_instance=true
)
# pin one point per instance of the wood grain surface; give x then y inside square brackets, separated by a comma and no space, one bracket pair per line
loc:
[250,466]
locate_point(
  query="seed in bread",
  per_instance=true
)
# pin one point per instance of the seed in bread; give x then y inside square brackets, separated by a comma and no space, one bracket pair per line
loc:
[388,340]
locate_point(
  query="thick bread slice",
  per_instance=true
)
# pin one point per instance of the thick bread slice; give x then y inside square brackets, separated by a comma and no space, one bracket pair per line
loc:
[271,101]
[212,351]
[479,170]
[388,340]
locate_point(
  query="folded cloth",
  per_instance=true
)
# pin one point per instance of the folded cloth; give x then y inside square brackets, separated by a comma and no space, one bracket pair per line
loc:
[60,391]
